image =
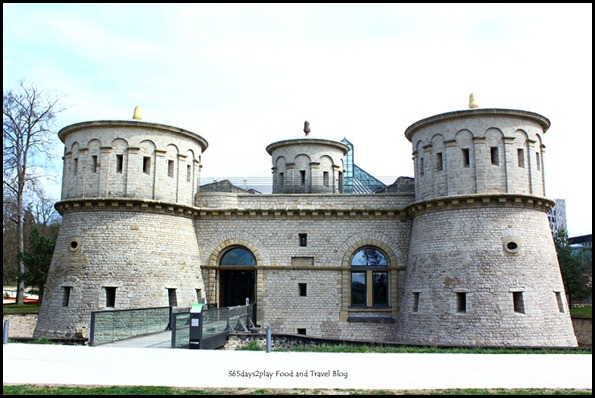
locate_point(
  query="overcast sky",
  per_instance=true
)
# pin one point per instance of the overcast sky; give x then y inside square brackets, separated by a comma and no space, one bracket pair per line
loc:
[245,75]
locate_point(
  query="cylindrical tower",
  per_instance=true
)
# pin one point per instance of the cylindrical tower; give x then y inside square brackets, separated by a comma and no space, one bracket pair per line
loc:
[307,165]
[482,266]
[127,238]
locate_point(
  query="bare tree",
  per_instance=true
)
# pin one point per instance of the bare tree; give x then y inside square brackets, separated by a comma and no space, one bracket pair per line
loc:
[27,132]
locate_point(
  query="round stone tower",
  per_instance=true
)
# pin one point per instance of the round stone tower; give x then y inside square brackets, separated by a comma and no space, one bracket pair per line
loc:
[127,238]
[307,165]
[482,267]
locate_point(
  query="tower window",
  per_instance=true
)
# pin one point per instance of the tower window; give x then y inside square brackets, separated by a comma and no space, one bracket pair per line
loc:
[521,156]
[461,302]
[281,182]
[302,177]
[415,301]
[303,239]
[119,163]
[303,289]
[94,163]
[170,168]
[559,301]
[439,164]
[494,155]
[325,178]
[76,166]
[538,162]
[110,296]
[66,295]
[147,164]
[188,172]
[518,303]
[421,166]
[465,157]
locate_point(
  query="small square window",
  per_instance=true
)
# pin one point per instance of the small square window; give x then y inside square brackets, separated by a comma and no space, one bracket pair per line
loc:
[301,331]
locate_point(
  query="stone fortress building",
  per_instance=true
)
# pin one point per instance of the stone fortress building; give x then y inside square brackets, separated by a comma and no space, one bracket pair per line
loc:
[464,258]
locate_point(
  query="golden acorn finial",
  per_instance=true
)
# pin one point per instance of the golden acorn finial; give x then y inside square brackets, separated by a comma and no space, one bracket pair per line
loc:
[137,115]
[472,103]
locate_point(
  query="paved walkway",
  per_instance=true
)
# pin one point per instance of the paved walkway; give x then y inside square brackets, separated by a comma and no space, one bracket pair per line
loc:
[119,365]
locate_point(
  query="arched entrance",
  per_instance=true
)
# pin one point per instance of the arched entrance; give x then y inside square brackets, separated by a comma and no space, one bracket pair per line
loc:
[237,277]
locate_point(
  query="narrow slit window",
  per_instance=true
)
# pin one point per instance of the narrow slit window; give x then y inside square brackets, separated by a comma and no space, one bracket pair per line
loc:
[415,301]
[76,166]
[559,301]
[538,161]
[66,290]
[494,155]
[461,302]
[170,168]
[199,298]
[439,162]
[518,302]
[466,159]
[521,156]
[303,289]
[302,177]
[188,173]
[110,297]
[94,163]
[173,297]
[119,163]
[421,166]
[147,164]
[281,181]
[325,178]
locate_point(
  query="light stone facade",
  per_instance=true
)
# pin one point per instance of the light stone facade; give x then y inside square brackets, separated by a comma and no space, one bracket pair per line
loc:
[469,255]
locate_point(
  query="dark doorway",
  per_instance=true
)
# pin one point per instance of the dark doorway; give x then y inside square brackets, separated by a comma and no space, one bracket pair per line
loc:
[235,286]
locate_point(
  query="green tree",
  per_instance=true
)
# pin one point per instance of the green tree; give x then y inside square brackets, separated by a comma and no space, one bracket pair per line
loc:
[37,260]
[27,133]
[573,276]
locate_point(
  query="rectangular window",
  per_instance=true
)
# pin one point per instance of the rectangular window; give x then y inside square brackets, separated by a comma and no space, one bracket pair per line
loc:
[559,301]
[325,178]
[76,166]
[303,239]
[521,156]
[199,298]
[466,159]
[66,295]
[461,302]
[538,162]
[94,163]
[303,289]
[519,304]
[170,168]
[119,163]
[188,173]
[173,298]
[147,164]
[301,331]
[358,289]
[302,177]
[281,182]
[415,301]
[421,166]
[439,165]
[494,155]
[379,288]
[110,297]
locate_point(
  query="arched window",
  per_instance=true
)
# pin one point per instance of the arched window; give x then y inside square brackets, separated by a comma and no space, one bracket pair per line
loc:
[369,278]
[238,256]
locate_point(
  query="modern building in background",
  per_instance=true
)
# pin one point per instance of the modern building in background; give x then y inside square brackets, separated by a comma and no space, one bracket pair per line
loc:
[557,216]
[460,254]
